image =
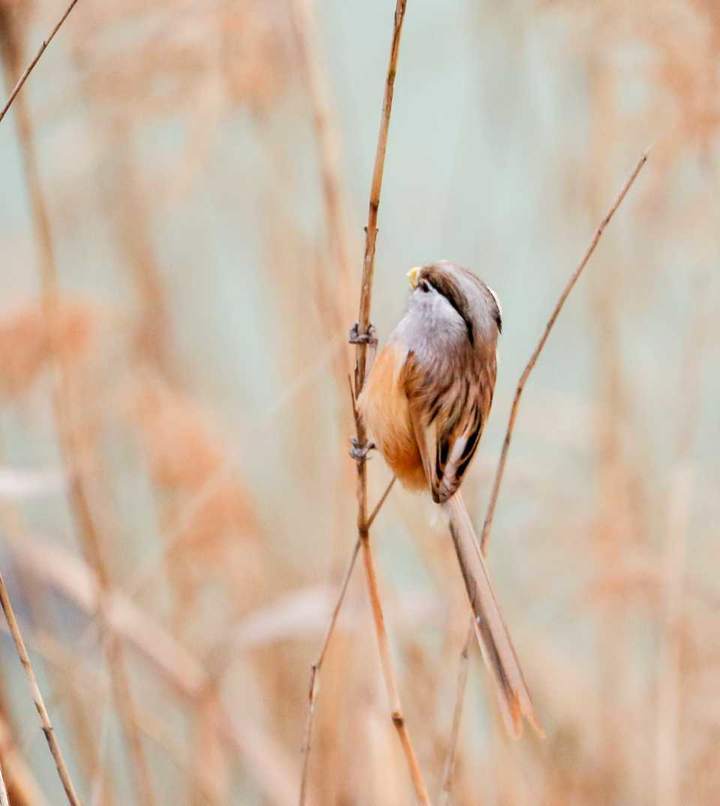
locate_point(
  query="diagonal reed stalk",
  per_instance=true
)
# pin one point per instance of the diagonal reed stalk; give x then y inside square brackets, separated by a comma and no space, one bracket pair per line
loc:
[43,46]
[315,673]
[572,280]
[317,666]
[47,727]
[500,471]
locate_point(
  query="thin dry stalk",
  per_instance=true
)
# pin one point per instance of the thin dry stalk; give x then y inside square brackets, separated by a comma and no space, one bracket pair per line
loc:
[335,216]
[317,666]
[381,502]
[365,337]
[389,672]
[386,663]
[184,673]
[334,213]
[449,766]
[69,442]
[374,205]
[574,277]
[499,473]
[47,727]
[24,77]
[58,685]
[315,673]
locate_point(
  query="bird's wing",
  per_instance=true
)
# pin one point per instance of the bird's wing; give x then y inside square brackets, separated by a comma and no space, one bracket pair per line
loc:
[447,416]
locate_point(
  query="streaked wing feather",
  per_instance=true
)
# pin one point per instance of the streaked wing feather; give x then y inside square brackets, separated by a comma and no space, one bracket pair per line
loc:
[448,414]
[425,438]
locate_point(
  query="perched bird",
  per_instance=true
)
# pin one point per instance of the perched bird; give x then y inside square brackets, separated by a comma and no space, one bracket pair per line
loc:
[425,403]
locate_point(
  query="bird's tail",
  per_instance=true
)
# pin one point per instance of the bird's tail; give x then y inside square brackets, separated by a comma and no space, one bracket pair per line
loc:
[492,634]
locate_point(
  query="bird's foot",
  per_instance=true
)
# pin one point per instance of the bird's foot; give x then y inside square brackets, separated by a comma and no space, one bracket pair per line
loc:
[359,452]
[356,337]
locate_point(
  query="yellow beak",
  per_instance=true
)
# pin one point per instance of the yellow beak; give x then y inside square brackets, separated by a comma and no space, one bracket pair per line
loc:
[413,275]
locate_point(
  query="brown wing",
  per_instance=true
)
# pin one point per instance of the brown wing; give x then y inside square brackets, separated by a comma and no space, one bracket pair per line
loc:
[448,410]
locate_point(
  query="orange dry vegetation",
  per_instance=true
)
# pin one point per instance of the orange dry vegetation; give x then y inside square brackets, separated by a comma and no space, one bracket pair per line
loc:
[24,344]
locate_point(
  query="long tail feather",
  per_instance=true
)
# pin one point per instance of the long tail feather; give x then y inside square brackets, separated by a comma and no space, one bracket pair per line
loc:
[492,634]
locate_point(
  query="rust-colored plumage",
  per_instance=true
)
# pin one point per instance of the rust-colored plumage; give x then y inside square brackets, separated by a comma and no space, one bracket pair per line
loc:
[383,402]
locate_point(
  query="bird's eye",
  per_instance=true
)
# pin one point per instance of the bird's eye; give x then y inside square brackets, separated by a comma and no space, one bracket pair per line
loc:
[425,286]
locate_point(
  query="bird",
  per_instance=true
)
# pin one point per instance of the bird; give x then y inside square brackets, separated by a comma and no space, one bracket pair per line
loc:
[424,403]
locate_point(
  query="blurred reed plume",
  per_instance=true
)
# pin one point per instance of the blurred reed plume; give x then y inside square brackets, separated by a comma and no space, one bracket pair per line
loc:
[184,189]
[24,343]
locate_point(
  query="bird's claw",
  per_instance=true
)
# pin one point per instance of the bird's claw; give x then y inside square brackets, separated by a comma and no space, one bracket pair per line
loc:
[356,337]
[359,452]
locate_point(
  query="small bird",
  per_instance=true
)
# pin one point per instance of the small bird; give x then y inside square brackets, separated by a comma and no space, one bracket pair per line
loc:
[425,404]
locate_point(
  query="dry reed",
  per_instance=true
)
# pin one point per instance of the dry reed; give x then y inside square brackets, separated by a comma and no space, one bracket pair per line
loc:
[47,727]
[574,277]
[363,338]
[31,66]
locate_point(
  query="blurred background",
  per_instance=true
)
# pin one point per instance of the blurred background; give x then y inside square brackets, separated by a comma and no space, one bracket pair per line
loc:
[177,504]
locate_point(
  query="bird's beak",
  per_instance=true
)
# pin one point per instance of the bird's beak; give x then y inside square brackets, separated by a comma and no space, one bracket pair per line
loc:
[412,276]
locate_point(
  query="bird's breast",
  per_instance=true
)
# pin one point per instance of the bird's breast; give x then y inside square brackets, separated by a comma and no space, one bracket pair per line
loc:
[384,408]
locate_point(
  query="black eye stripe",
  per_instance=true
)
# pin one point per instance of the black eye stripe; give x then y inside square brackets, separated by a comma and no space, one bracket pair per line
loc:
[448,289]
